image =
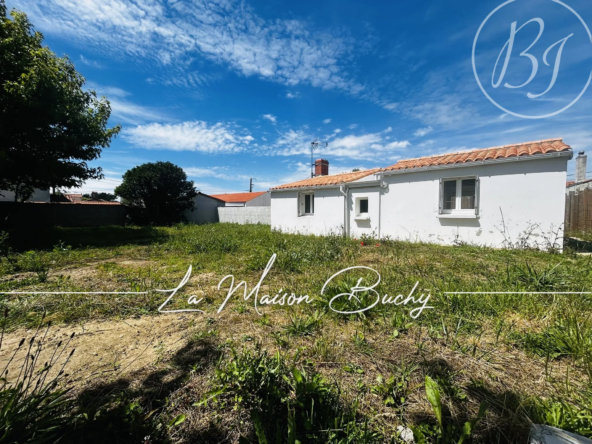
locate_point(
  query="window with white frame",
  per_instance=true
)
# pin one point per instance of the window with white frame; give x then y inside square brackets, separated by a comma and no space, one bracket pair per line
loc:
[459,196]
[361,206]
[306,204]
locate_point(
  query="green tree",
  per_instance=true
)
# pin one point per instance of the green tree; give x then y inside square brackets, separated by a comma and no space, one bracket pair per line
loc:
[50,128]
[158,192]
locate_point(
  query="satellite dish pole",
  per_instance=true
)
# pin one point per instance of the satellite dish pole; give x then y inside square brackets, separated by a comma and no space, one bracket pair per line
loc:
[313,146]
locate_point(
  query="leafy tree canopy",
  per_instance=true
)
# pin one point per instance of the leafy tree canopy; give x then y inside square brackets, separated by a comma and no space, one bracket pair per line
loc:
[159,192]
[50,128]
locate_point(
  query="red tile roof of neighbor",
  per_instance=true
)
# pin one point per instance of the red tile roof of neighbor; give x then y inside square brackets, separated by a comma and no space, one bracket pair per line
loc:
[73,197]
[495,153]
[334,179]
[238,197]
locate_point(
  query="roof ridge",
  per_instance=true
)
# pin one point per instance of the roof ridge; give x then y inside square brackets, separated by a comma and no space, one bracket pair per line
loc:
[472,150]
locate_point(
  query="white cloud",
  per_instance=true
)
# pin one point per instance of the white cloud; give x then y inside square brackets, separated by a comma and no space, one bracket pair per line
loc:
[353,126]
[292,95]
[227,32]
[327,121]
[89,62]
[131,113]
[270,117]
[423,131]
[189,136]
[124,110]
[106,185]
[391,106]
[337,131]
[216,172]
[108,91]
[363,146]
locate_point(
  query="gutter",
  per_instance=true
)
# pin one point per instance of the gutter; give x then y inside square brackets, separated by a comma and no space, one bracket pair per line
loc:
[344,190]
[368,183]
[480,163]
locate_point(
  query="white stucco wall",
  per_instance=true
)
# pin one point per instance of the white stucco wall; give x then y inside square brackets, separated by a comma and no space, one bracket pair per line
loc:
[527,192]
[328,217]
[205,210]
[369,227]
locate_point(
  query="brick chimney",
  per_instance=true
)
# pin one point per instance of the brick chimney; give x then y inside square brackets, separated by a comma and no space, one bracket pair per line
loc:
[581,166]
[321,167]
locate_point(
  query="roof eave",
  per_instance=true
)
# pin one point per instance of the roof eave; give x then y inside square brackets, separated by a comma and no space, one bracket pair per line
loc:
[567,153]
[353,184]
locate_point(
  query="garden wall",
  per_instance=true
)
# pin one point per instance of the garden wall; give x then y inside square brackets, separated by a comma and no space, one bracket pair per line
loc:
[34,214]
[245,215]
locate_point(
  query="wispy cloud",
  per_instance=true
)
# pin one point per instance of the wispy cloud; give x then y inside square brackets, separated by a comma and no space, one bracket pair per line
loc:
[292,95]
[270,117]
[124,110]
[423,131]
[216,172]
[228,32]
[327,121]
[89,62]
[189,136]
[132,113]
[361,146]
[106,185]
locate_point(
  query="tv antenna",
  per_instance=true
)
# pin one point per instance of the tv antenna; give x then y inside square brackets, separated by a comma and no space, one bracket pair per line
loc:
[313,146]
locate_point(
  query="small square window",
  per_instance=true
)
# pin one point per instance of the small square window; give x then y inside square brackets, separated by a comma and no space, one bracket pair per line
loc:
[363,206]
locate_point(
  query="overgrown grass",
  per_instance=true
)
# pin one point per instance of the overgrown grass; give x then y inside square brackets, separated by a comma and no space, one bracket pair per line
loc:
[331,376]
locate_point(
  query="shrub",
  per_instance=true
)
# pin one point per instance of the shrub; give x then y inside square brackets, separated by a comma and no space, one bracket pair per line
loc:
[33,409]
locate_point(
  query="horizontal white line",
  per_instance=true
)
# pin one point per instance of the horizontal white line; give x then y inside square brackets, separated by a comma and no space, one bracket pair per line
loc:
[74,292]
[517,292]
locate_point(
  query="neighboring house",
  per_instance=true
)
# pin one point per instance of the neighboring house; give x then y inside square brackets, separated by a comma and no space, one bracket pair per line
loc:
[75,198]
[71,198]
[484,196]
[37,196]
[257,199]
[580,183]
[206,209]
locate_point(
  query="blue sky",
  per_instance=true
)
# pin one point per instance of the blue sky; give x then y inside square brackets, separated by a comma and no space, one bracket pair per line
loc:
[232,90]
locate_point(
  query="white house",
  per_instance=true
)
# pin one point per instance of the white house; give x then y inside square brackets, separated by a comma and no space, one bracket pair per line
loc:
[252,199]
[37,196]
[486,197]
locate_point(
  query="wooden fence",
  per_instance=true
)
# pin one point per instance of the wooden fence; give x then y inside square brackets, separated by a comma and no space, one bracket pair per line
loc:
[578,211]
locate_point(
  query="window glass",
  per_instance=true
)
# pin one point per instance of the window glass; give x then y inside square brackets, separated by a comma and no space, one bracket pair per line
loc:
[467,201]
[363,206]
[307,203]
[450,195]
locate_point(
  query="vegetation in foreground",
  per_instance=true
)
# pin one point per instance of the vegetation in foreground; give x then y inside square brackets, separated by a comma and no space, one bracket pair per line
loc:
[474,368]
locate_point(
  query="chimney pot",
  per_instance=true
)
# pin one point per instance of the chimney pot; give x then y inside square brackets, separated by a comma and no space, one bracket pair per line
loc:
[581,166]
[321,167]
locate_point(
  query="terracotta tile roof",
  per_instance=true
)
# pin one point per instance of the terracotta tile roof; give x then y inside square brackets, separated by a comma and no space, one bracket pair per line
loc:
[73,197]
[334,179]
[501,152]
[97,202]
[571,183]
[237,197]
